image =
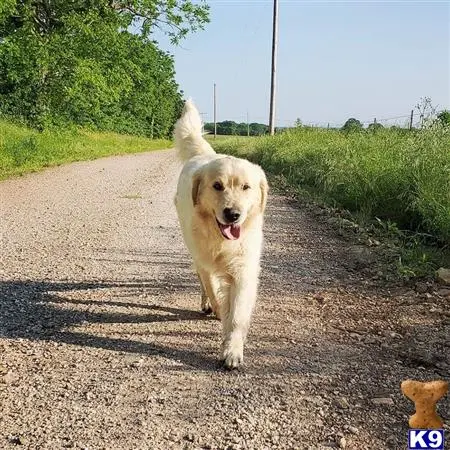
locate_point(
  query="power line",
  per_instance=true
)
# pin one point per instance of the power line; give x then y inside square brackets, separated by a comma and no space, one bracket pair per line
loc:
[386,119]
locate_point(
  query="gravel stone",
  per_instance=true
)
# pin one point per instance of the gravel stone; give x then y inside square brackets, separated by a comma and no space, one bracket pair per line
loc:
[383,401]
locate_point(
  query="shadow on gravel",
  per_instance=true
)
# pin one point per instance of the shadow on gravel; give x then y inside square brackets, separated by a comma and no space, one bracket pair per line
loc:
[28,311]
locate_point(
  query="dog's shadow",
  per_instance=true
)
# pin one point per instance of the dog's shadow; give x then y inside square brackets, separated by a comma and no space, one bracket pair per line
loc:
[41,310]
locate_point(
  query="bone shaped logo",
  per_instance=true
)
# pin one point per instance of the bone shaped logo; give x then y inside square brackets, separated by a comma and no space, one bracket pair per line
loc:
[425,396]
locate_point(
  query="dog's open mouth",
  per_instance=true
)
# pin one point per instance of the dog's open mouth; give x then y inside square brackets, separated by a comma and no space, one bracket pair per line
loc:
[231,231]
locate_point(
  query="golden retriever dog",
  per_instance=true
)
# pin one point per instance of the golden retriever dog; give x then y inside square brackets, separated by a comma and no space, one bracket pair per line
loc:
[220,202]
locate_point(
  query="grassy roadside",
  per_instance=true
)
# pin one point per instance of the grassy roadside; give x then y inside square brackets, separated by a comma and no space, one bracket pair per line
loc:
[393,180]
[25,150]
[223,137]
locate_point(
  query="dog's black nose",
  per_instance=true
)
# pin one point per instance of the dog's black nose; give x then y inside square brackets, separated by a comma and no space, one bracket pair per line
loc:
[231,215]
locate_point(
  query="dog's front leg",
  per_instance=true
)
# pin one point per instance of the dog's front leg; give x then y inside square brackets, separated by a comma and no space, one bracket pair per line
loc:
[209,292]
[205,304]
[237,313]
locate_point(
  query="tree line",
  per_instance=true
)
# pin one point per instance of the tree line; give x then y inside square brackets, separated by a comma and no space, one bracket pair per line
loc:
[229,127]
[80,62]
[442,119]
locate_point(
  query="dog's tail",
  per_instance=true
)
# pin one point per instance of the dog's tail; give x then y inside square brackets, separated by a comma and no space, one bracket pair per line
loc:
[189,140]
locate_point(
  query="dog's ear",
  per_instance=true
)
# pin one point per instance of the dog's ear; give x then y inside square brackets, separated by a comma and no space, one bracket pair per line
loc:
[264,186]
[196,187]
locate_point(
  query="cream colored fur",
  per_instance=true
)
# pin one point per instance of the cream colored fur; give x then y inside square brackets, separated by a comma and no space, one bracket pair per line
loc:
[228,269]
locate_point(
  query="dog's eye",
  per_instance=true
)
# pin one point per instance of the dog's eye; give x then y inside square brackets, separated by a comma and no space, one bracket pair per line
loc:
[218,186]
[245,187]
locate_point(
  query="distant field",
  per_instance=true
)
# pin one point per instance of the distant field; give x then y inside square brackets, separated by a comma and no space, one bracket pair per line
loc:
[25,150]
[398,176]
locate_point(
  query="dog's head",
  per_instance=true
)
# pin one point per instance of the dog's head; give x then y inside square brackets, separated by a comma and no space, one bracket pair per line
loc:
[229,191]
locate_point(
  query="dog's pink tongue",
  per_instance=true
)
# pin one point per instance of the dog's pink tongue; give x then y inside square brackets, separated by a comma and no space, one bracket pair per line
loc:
[231,232]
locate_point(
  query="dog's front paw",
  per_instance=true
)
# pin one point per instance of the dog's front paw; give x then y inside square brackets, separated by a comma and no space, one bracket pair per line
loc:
[232,354]
[206,305]
[206,308]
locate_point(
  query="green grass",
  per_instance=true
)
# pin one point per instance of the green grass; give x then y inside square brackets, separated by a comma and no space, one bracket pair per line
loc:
[221,137]
[25,150]
[397,176]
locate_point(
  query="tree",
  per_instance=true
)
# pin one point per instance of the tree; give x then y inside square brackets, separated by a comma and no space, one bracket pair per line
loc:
[352,124]
[229,127]
[444,117]
[426,110]
[175,17]
[298,123]
[258,129]
[77,62]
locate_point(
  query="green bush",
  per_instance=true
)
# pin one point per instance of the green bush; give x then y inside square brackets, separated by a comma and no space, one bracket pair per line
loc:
[444,117]
[352,124]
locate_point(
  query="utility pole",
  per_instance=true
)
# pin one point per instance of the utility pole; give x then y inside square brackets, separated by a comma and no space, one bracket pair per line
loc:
[411,120]
[203,122]
[248,126]
[215,112]
[274,68]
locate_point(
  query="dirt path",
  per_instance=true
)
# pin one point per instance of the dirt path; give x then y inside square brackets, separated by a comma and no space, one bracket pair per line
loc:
[102,345]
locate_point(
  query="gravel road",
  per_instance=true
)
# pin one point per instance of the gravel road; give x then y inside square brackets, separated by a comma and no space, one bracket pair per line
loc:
[103,345]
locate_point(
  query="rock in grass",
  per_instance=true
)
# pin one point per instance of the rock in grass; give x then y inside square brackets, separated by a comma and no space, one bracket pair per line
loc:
[443,276]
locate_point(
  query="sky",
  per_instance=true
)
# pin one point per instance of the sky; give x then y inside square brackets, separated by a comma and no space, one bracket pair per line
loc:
[335,60]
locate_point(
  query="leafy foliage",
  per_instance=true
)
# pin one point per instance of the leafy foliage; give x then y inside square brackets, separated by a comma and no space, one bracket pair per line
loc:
[76,62]
[352,124]
[444,117]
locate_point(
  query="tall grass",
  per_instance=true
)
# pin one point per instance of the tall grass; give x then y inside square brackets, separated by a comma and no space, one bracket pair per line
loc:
[394,175]
[25,150]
